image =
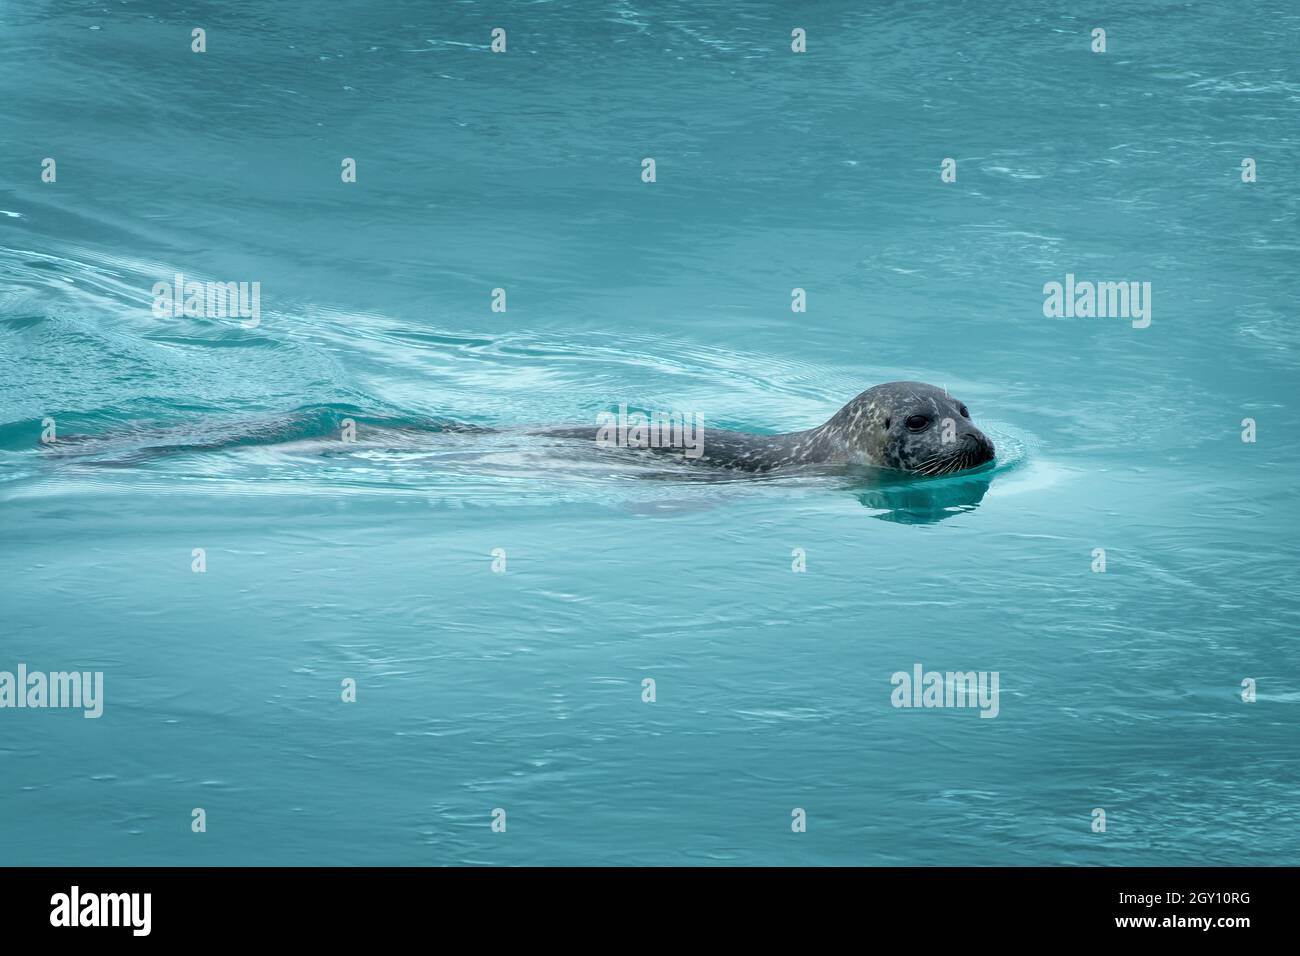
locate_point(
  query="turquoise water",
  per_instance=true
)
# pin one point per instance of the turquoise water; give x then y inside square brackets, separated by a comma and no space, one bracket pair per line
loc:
[522,689]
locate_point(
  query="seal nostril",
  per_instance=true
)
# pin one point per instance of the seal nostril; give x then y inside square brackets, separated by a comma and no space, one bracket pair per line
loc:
[981,445]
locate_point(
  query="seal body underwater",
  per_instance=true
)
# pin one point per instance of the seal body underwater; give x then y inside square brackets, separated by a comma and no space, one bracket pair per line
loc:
[903,426]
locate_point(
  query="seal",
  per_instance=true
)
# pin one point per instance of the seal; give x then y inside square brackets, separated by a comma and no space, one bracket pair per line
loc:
[902,426]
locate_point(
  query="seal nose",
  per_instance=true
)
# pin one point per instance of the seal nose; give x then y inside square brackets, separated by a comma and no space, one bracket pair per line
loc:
[979,443]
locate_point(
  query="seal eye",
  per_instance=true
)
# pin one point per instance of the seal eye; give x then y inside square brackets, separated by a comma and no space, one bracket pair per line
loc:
[965,413]
[917,422]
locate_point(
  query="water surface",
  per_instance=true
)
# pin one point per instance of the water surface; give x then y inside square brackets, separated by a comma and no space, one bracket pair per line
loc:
[522,690]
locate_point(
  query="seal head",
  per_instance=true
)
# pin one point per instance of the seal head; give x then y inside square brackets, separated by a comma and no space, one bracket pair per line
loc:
[906,426]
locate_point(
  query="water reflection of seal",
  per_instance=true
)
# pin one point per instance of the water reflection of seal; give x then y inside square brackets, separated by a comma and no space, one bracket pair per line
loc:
[923,502]
[905,426]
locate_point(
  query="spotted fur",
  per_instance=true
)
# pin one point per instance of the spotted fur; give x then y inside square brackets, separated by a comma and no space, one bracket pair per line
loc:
[873,429]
